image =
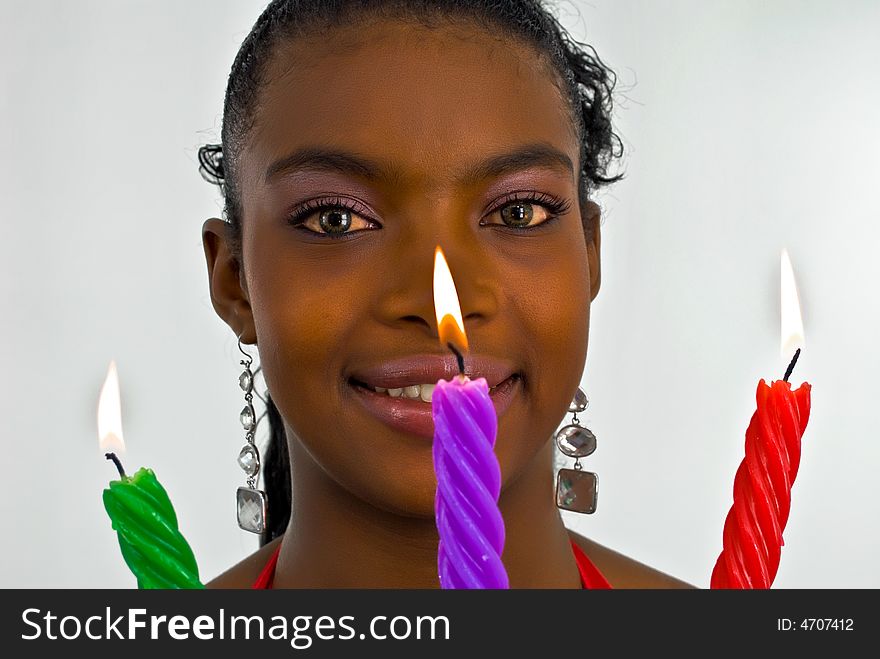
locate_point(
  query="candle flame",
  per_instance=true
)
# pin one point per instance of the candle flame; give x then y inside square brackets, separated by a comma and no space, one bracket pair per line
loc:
[450,326]
[110,414]
[792,327]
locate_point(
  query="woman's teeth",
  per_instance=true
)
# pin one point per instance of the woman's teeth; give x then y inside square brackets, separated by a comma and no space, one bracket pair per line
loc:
[422,391]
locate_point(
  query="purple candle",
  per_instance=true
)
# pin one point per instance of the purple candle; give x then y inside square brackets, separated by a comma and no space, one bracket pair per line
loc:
[468,475]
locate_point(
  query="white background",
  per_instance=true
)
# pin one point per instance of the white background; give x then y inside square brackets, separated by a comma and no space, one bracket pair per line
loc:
[749,126]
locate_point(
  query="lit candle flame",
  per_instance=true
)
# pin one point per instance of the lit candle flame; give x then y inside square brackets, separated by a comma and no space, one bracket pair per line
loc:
[450,326]
[792,327]
[110,414]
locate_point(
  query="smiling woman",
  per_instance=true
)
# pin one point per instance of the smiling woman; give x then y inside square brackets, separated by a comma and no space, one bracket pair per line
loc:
[357,136]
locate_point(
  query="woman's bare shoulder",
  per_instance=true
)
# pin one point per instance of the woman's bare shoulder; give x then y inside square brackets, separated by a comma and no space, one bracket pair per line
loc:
[244,573]
[623,572]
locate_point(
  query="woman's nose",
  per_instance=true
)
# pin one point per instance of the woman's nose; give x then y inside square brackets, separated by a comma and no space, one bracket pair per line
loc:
[408,296]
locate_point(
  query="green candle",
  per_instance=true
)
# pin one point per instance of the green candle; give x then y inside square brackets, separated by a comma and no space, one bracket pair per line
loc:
[144,519]
[140,510]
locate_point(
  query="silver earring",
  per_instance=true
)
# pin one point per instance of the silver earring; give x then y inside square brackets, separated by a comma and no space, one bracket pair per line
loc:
[576,490]
[250,502]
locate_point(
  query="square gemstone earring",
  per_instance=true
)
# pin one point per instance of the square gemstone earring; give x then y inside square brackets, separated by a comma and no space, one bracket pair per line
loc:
[250,501]
[576,490]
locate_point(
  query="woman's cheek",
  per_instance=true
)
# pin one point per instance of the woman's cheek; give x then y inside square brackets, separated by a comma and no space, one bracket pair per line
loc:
[559,327]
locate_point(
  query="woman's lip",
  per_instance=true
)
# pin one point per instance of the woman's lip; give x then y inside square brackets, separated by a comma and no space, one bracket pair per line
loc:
[399,372]
[414,415]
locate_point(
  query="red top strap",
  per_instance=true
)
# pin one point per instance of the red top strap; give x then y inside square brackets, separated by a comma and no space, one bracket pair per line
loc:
[590,575]
[264,581]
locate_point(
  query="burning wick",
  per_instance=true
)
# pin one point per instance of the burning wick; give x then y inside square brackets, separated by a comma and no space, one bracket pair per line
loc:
[112,456]
[797,353]
[458,356]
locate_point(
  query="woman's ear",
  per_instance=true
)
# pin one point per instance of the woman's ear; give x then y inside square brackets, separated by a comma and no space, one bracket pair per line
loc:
[226,281]
[591,214]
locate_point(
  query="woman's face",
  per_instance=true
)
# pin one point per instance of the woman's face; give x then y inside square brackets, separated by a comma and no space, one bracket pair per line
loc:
[427,109]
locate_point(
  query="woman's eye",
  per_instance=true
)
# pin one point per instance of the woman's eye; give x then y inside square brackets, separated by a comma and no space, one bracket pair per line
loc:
[330,220]
[521,214]
[530,213]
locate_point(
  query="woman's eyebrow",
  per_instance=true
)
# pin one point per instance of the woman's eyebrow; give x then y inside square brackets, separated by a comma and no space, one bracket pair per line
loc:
[537,155]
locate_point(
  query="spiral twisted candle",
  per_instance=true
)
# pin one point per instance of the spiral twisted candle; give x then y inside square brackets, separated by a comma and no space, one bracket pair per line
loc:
[468,484]
[752,537]
[144,519]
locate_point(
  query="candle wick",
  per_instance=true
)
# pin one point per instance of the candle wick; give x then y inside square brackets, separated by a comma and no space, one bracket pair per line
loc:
[458,357]
[112,456]
[797,353]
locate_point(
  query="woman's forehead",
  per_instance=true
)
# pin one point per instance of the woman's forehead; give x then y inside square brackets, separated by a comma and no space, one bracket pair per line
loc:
[427,101]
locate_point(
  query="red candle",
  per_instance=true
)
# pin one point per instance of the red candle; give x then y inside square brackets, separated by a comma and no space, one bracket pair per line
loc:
[752,537]
[762,488]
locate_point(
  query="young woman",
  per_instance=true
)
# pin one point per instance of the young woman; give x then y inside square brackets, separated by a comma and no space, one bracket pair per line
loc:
[356,137]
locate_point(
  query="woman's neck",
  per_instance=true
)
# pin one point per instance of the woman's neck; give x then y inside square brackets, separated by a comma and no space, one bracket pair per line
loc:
[337,540]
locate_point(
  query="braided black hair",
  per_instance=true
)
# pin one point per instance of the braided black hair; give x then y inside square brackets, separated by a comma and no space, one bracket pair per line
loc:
[585,81]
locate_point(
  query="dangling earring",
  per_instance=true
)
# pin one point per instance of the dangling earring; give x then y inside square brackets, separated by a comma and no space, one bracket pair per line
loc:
[576,490]
[250,502]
